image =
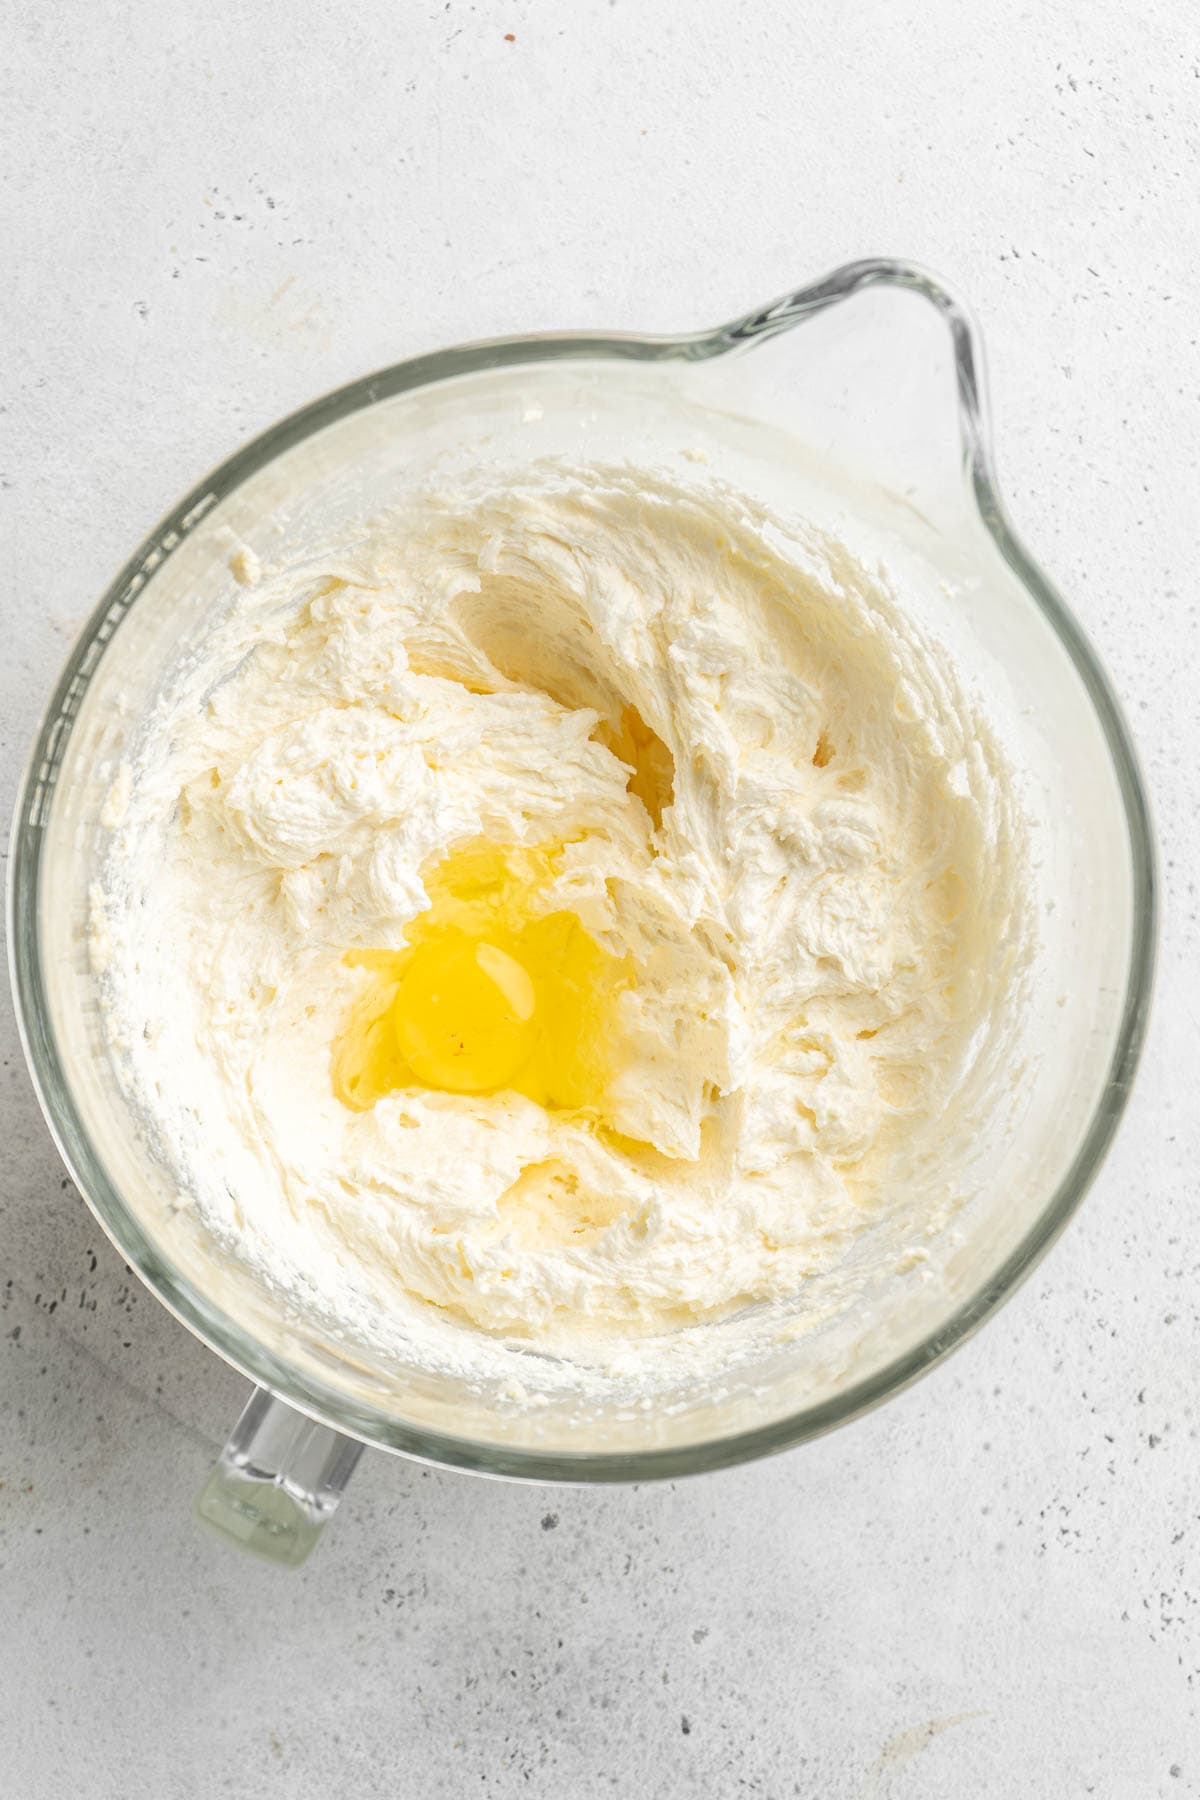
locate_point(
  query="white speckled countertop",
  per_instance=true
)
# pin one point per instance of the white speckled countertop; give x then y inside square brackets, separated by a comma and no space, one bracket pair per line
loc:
[992,1586]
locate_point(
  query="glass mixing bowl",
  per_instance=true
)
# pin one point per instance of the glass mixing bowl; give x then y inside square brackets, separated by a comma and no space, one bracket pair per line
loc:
[856,402]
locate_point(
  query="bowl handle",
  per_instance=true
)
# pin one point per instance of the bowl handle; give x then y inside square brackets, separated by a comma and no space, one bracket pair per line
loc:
[277,1481]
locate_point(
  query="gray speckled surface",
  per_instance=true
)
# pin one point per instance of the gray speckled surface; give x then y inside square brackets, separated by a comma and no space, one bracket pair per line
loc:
[992,1586]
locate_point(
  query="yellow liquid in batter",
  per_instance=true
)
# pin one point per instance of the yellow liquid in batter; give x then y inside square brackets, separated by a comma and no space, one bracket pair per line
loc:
[490,992]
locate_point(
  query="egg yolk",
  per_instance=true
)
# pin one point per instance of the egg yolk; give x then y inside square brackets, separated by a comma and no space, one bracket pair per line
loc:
[490,992]
[465,1015]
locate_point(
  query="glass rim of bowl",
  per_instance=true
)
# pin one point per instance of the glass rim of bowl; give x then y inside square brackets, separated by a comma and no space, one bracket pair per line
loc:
[181,1296]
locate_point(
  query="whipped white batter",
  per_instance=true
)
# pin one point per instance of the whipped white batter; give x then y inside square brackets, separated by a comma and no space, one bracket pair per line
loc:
[820,888]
